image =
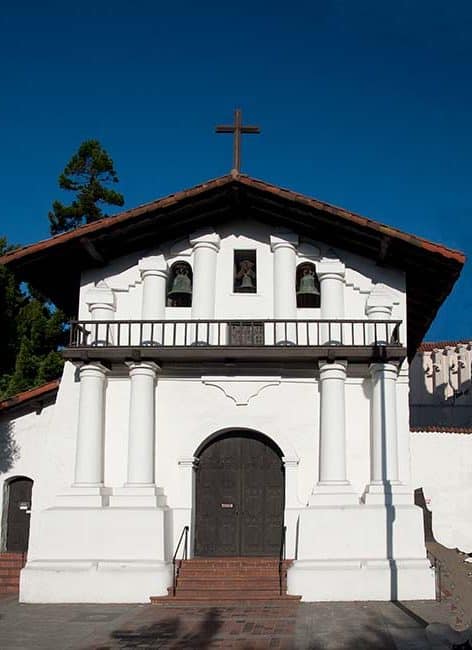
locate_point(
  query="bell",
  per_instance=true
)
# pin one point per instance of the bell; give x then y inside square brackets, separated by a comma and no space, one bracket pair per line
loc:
[308,284]
[181,283]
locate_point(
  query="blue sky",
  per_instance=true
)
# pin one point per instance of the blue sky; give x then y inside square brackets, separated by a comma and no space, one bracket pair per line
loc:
[361,103]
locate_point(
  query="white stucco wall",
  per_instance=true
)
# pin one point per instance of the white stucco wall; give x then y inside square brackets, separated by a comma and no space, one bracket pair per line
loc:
[22,442]
[441,465]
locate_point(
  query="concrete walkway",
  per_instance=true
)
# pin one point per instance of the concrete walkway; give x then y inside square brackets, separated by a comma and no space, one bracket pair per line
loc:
[418,625]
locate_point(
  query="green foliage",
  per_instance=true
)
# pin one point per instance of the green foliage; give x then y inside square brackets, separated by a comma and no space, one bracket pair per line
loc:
[88,173]
[32,331]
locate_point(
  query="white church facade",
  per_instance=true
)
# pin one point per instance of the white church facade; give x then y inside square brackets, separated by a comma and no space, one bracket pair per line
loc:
[238,372]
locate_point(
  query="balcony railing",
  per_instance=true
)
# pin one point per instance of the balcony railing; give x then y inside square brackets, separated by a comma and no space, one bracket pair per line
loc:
[233,333]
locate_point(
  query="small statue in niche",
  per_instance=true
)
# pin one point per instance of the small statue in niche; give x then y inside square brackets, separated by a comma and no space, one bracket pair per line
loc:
[180,294]
[246,277]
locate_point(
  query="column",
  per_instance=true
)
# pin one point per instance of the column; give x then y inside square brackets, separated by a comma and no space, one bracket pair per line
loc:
[101,303]
[333,487]
[205,250]
[140,490]
[384,434]
[331,276]
[285,297]
[154,273]
[141,424]
[379,306]
[90,432]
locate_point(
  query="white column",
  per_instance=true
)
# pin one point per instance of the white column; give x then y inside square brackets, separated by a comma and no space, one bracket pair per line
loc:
[205,250]
[90,432]
[379,306]
[154,273]
[101,304]
[384,434]
[333,486]
[331,276]
[285,297]
[141,424]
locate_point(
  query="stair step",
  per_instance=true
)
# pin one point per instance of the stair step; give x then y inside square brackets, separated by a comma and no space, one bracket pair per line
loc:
[230,597]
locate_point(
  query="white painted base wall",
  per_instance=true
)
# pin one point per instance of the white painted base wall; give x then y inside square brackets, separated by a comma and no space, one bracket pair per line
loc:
[84,555]
[93,582]
[344,553]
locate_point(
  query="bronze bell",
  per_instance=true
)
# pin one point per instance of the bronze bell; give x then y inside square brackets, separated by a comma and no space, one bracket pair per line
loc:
[181,283]
[308,283]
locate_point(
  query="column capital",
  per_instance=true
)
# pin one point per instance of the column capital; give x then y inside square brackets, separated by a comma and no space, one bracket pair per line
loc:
[332,370]
[93,369]
[205,239]
[331,270]
[100,296]
[153,265]
[385,368]
[285,240]
[146,368]
[379,303]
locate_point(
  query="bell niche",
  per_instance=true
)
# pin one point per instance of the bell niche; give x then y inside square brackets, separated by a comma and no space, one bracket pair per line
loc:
[308,286]
[179,292]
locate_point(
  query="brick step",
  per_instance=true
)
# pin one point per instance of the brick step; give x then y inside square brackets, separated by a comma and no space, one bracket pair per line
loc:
[224,585]
[11,556]
[10,582]
[9,570]
[10,562]
[230,561]
[230,597]
[8,589]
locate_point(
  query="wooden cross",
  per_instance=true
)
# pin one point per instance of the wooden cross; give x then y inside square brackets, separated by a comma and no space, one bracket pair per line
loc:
[237,129]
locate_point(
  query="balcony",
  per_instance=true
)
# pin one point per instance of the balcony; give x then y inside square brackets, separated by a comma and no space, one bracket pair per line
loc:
[232,339]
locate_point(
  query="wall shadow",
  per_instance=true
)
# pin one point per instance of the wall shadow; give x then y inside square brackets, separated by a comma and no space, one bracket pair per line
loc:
[9,448]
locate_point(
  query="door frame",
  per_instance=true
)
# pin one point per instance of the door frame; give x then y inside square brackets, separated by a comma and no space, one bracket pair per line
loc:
[232,432]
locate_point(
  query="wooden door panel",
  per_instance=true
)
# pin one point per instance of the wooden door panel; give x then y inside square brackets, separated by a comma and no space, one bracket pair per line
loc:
[240,498]
[18,520]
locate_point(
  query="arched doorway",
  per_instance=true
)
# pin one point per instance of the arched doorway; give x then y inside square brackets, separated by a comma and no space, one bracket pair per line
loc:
[18,514]
[239,496]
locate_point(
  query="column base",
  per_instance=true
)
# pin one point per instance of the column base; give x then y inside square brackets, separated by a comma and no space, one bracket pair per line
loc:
[138,496]
[388,493]
[331,493]
[84,495]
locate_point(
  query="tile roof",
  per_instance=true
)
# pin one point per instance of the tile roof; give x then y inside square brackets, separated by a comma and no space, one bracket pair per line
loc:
[429,346]
[440,429]
[32,395]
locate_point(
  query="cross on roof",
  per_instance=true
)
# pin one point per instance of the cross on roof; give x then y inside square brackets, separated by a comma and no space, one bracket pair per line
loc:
[237,129]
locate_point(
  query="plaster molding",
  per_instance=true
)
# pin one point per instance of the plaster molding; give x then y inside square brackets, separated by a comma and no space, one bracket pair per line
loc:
[99,295]
[153,264]
[241,390]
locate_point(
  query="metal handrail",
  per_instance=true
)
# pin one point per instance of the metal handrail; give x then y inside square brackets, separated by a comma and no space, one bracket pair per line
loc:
[436,565]
[282,557]
[175,570]
[256,333]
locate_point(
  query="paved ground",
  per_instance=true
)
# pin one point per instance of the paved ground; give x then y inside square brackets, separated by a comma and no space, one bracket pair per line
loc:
[419,625]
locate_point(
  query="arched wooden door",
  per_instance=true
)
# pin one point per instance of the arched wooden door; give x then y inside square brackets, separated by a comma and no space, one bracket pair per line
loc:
[239,497]
[18,516]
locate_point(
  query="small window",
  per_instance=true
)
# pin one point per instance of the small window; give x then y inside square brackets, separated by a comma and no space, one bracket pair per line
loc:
[308,286]
[245,272]
[179,293]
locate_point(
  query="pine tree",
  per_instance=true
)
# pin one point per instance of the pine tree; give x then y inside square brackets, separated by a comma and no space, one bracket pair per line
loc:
[32,333]
[88,173]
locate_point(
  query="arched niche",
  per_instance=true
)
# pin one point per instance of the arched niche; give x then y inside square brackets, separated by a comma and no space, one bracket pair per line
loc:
[179,288]
[307,286]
